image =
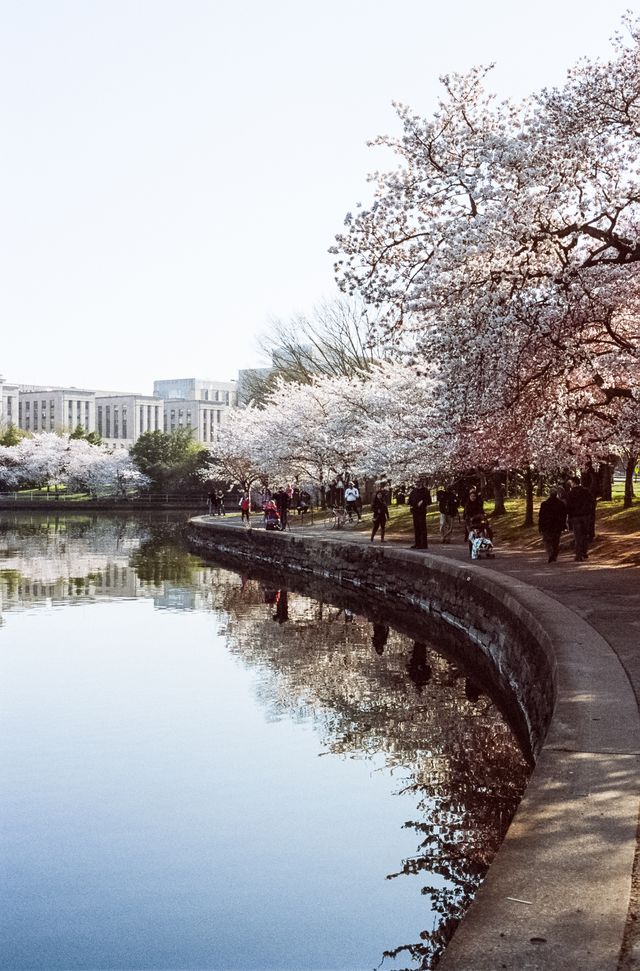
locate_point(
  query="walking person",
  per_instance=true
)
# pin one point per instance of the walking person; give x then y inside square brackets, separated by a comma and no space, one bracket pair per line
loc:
[448,509]
[419,500]
[589,479]
[211,502]
[552,521]
[580,506]
[245,510]
[380,511]
[220,498]
[283,502]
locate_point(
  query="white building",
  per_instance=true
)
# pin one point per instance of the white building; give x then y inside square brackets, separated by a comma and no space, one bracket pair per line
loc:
[50,409]
[122,419]
[203,417]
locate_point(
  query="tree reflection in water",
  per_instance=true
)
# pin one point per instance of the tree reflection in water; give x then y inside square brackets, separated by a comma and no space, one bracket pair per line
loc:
[369,689]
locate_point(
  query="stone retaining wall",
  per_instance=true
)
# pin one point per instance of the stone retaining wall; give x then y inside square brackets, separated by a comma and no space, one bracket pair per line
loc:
[517,649]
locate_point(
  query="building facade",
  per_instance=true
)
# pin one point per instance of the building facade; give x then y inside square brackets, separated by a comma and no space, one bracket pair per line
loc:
[197,389]
[120,419]
[46,409]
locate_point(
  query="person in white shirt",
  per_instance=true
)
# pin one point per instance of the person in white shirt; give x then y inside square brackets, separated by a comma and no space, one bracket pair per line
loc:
[351,496]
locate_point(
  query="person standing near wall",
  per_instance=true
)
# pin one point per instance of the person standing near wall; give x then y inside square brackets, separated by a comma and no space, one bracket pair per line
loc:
[419,500]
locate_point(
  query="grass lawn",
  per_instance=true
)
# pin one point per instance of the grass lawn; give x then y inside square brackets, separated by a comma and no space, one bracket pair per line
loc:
[617,530]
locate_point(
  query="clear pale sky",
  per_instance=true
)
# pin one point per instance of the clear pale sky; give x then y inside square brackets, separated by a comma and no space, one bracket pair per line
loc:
[173,173]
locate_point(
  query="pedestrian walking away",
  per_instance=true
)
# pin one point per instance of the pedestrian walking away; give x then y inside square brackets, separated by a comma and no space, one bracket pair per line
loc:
[552,521]
[580,510]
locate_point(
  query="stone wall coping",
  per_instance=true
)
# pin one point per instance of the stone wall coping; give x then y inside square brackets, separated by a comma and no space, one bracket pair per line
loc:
[557,893]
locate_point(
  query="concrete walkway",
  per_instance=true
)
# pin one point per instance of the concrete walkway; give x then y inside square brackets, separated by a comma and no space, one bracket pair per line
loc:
[607,600]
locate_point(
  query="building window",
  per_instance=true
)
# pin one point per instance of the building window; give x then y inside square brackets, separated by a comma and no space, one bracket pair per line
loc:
[35,419]
[100,420]
[107,421]
[124,421]
[115,422]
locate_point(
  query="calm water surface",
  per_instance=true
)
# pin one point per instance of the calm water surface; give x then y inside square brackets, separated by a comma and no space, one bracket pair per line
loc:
[207,771]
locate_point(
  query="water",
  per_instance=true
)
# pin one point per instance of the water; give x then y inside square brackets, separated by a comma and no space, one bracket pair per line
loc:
[202,770]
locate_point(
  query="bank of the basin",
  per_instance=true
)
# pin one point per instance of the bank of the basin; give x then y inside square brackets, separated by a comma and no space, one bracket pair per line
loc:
[557,895]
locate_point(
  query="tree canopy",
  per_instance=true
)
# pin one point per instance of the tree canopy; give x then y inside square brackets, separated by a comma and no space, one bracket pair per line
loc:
[172,461]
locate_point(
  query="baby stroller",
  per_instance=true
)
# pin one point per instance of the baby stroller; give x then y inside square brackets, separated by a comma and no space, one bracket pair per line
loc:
[480,537]
[271,515]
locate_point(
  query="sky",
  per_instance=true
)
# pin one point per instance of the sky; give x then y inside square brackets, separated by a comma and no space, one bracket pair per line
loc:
[173,172]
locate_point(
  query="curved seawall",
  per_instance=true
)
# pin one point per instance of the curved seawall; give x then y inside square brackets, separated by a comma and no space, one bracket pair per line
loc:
[557,893]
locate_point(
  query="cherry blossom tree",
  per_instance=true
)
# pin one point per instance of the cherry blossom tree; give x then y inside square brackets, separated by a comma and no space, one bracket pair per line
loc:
[505,246]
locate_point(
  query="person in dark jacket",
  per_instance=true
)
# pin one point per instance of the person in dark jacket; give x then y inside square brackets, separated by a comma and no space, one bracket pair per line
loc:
[283,502]
[419,500]
[380,512]
[552,521]
[473,509]
[580,510]
[448,508]
[589,479]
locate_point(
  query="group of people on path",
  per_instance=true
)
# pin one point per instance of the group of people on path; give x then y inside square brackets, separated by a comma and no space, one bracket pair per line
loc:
[571,506]
[215,503]
[276,505]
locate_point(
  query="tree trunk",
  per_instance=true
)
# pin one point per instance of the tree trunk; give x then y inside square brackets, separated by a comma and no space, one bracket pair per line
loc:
[628,480]
[498,495]
[528,486]
[540,488]
[606,477]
